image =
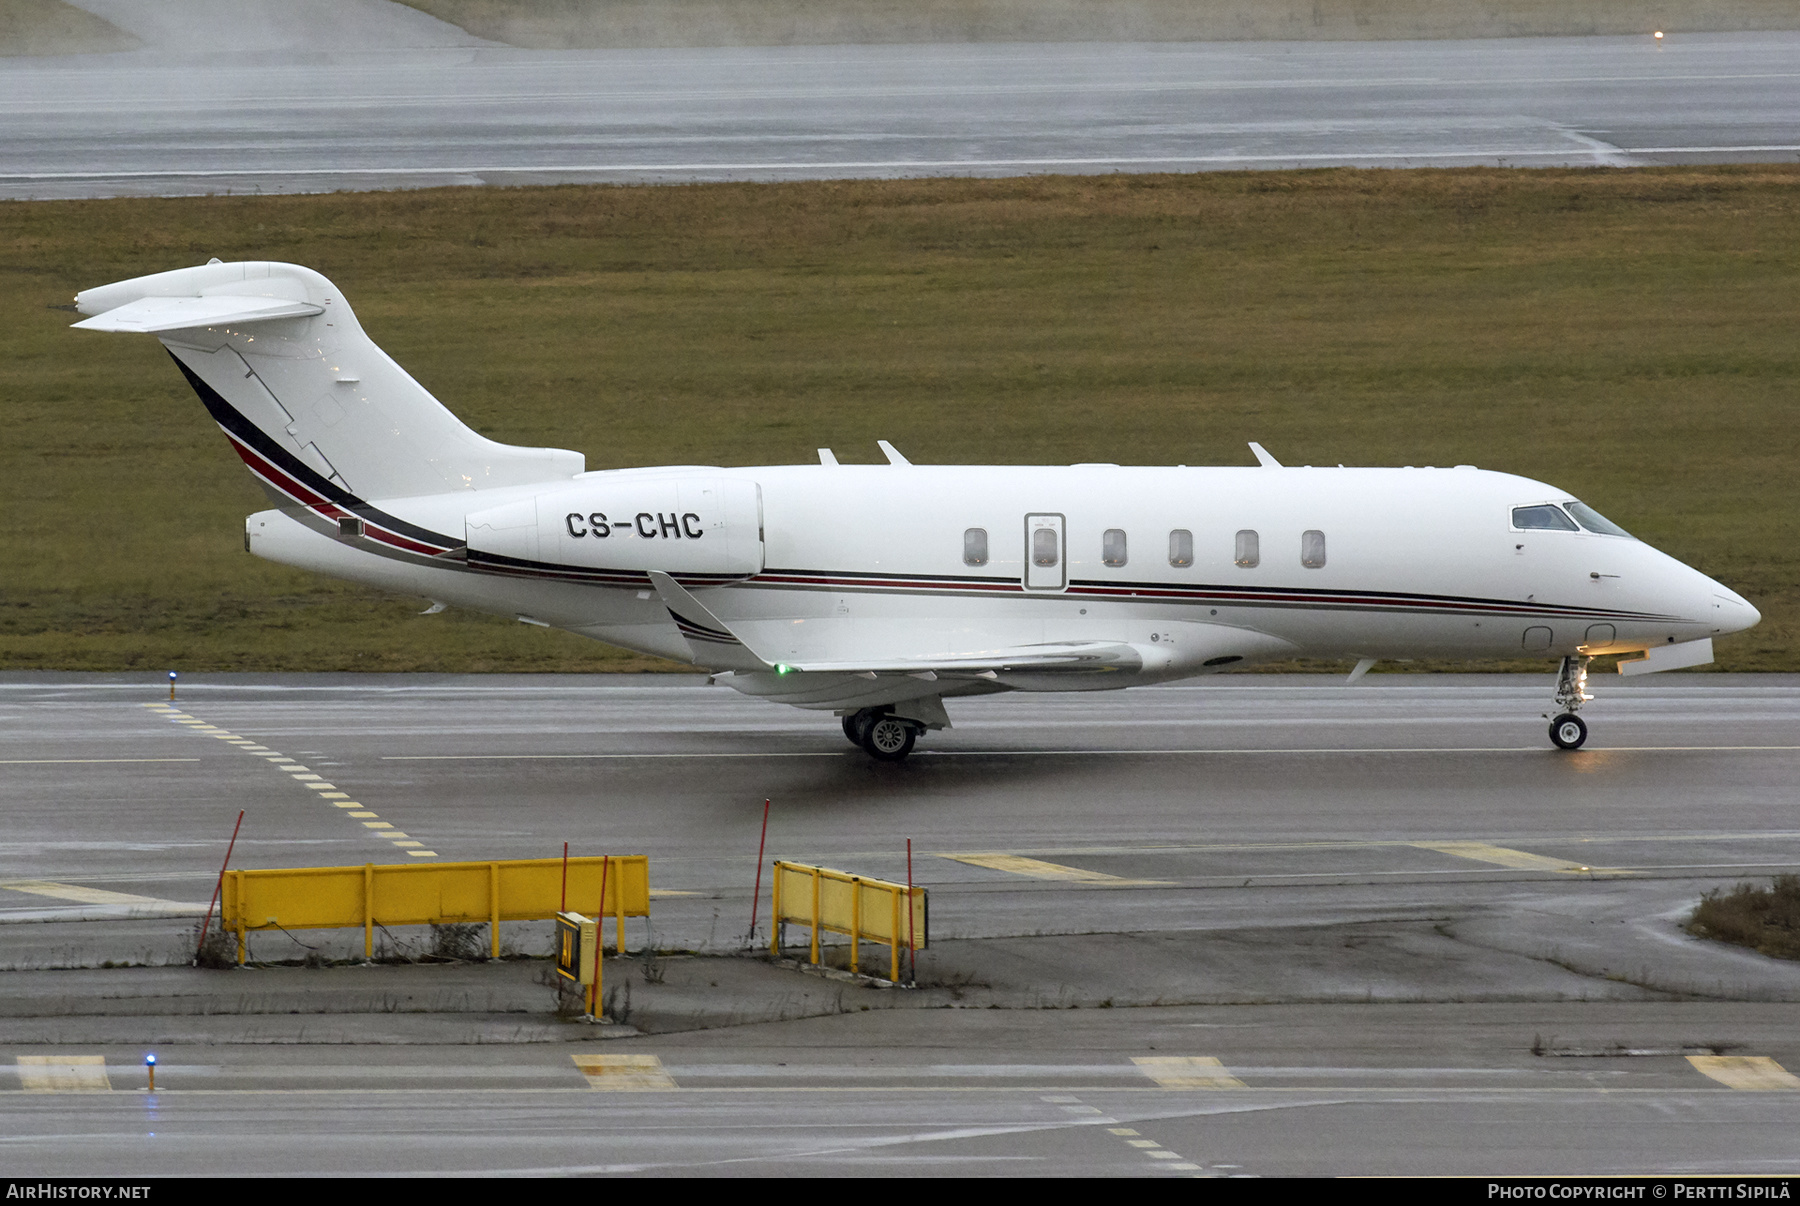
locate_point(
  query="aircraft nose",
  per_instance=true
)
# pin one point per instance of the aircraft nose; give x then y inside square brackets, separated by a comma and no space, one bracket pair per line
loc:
[1731,612]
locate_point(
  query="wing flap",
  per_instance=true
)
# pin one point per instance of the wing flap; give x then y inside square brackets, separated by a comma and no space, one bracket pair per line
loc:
[1081,656]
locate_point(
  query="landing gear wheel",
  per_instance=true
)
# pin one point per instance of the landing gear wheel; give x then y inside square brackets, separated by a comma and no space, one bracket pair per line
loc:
[856,725]
[889,739]
[1568,731]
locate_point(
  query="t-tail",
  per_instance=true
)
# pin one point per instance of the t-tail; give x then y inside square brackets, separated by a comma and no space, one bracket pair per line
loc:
[323,418]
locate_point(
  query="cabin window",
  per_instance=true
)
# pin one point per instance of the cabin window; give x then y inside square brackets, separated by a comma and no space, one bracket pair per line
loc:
[1181,548]
[1043,547]
[975,547]
[1593,521]
[1248,550]
[1545,517]
[1312,548]
[1112,547]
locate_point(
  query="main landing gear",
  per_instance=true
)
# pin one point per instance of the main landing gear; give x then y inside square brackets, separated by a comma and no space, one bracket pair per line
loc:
[882,735]
[1568,731]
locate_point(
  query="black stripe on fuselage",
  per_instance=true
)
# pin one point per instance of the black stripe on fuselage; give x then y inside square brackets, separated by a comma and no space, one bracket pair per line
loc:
[265,446]
[1152,592]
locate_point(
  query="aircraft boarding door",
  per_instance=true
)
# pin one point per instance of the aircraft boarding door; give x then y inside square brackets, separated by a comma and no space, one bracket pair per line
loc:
[1044,553]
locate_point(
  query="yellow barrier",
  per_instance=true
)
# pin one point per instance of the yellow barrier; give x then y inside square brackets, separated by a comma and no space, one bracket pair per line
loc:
[841,903]
[307,898]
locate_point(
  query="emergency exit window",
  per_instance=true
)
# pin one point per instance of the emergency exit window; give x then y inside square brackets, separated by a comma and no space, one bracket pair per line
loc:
[1181,548]
[1044,550]
[1249,553]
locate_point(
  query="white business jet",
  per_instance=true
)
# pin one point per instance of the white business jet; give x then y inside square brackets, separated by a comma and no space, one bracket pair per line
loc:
[878,591]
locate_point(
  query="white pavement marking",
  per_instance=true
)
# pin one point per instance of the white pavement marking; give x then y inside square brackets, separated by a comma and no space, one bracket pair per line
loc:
[63,1074]
[62,761]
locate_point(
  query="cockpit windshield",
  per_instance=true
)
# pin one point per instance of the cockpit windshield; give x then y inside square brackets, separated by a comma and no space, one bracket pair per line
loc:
[1542,517]
[1593,521]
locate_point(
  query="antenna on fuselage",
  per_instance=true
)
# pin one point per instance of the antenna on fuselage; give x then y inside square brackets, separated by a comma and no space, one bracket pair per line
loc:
[1262,456]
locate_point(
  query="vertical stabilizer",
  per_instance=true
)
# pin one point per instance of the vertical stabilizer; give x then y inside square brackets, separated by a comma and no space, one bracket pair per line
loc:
[307,399]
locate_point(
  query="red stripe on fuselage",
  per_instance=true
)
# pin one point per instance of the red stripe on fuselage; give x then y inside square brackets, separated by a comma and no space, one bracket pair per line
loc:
[282,481]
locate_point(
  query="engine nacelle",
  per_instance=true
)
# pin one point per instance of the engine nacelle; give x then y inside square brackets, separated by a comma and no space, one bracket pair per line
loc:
[627,525]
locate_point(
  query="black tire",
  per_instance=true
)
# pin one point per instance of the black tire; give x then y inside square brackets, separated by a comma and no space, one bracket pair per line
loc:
[856,725]
[889,739]
[1568,731]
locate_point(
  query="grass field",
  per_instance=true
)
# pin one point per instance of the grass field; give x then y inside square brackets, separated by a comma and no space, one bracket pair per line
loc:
[1766,920]
[1630,335]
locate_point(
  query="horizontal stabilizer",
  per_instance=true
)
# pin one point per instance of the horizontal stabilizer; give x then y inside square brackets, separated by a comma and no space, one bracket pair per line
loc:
[150,314]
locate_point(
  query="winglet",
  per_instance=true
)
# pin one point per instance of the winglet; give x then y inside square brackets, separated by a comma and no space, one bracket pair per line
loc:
[1262,456]
[892,453]
[714,644]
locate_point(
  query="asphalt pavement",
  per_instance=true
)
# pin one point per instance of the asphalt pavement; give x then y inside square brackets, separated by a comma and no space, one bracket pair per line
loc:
[234,116]
[1380,927]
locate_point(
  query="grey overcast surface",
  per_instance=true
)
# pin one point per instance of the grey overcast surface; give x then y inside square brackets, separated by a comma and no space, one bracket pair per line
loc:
[1416,938]
[196,117]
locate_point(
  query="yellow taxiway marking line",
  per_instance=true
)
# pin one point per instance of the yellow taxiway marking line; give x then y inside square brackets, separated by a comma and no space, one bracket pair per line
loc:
[624,1073]
[63,1074]
[1753,1073]
[671,892]
[1187,1072]
[1038,869]
[302,775]
[1500,856]
[77,893]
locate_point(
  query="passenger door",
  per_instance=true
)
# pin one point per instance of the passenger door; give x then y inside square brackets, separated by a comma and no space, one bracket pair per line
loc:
[1045,553]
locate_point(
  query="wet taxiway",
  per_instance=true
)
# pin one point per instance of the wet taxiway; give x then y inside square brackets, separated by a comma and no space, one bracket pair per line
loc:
[1381,928]
[172,121]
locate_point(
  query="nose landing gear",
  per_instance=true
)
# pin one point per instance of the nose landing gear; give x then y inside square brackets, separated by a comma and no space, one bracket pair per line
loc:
[882,735]
[1568,731]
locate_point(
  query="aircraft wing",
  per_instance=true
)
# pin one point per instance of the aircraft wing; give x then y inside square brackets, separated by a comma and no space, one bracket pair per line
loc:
[1084,656]
[718,643]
